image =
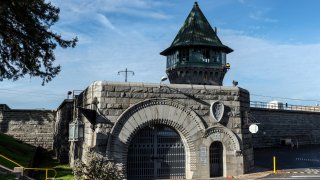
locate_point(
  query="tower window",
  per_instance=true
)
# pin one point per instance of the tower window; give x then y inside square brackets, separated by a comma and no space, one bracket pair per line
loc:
[223,58]
[184,55]
[196,54]
[205,55]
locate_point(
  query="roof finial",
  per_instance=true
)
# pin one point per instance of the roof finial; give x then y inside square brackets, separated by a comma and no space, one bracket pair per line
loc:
[196,4]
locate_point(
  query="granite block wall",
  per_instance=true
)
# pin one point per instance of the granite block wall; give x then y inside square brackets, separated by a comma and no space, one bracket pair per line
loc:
[34,127]
[64,116]
[111,99]
[276,125]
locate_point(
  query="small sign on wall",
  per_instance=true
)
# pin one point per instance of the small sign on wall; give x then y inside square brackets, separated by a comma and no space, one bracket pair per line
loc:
[203,155]
[216,137]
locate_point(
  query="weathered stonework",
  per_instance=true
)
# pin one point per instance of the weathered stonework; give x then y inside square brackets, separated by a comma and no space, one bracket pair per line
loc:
[64,116]
[302,127]
[125,108]
[34,127]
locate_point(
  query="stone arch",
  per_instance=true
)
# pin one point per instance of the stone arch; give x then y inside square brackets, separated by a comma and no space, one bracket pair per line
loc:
[156,111]
[225,135]
[231,145]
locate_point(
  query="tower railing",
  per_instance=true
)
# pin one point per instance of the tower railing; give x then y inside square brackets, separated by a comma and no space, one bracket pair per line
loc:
[194,63]
[284,106]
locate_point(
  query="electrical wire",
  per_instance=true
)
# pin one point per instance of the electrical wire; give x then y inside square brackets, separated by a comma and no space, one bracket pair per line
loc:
[294,99]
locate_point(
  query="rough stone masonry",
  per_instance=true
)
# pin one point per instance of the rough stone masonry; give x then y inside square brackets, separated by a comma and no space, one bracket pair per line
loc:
[34,127]
[125,108]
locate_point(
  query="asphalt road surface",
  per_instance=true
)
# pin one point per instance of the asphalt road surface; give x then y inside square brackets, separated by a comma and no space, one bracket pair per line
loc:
[291,163]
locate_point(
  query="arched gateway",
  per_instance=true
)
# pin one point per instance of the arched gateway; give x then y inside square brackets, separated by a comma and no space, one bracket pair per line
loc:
[156,152]
[163,120]
[163,139]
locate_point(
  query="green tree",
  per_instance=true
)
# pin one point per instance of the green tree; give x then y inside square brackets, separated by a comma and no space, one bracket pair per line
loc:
[26,41]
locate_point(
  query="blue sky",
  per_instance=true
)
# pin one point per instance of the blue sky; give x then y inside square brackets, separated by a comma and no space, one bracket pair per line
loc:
[276,46]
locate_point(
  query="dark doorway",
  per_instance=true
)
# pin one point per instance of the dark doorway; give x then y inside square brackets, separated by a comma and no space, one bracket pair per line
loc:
[216,159]
[156,152]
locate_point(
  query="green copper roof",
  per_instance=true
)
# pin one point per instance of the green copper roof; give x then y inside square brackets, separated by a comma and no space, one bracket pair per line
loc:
[196,31]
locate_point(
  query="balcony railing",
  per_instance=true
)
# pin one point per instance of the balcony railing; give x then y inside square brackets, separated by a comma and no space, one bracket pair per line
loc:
[193,64]
[283,106]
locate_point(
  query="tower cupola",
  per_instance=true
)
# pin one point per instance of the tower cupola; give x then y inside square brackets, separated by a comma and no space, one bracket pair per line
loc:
[196,55]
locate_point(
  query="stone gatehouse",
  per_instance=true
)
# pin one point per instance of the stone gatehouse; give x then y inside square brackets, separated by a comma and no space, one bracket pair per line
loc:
[167,131]
[192,128]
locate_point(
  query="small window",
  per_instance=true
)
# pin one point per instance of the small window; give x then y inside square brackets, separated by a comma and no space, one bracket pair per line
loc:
[184,55]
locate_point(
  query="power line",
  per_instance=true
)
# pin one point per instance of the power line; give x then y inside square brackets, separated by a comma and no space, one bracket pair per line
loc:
[294,99]
[10,91]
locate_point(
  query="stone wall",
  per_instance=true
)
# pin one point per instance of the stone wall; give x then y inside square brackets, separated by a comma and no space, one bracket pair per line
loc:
[112,99]
[64,116]
[33,127]
[301,127]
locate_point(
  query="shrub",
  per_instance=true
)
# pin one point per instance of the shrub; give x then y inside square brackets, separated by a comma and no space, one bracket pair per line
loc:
[97,168]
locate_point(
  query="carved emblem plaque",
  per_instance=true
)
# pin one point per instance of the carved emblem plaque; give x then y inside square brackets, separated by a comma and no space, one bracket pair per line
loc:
[217,110]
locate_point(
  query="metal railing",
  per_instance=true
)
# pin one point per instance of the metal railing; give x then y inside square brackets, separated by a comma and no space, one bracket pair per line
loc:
[35,169]
[283,106]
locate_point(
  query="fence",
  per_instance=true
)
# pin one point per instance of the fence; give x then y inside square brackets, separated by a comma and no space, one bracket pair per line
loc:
[283,106]
[20,167]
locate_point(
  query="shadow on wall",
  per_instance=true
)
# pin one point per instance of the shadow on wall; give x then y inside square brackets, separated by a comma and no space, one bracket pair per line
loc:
[12,121]
[34,127]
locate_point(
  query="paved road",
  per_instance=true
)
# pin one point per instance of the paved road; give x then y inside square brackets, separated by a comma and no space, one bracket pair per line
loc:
[287,158]
[297,163]
[305,173]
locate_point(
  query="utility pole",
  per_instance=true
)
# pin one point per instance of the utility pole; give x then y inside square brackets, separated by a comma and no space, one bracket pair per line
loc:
[126,74]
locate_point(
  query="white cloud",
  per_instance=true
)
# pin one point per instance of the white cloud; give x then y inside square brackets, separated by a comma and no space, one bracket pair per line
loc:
[259,17]
[274,69]
[145,13]
[74,9]
[261,66]
[105,21]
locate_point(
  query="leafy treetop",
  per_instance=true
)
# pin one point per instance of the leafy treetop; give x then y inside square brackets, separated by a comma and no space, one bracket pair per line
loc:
[26,41]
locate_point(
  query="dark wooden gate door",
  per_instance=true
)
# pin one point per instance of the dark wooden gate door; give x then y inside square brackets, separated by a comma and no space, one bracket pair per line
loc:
[216,159]
[156,152]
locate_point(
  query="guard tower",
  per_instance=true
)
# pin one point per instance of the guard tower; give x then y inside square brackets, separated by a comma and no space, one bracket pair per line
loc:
[196,55]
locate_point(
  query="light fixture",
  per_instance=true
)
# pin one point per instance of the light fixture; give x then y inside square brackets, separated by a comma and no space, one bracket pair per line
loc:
[76,128]
[228,66]
[69,93]
[164,78]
